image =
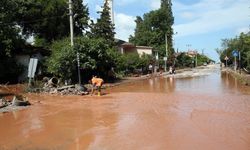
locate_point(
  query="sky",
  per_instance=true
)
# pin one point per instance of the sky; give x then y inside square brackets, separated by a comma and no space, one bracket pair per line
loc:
[199,24]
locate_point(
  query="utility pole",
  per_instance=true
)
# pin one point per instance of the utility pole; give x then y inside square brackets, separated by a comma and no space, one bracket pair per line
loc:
[166,58]
[240,61]
[71,24]
[235,64]
[166,38]
[72,39]
[196,63]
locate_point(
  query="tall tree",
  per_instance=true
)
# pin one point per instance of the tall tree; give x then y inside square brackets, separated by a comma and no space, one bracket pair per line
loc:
[10,38]
[153,27]
[48,20]
[10,41]
[104,28]
[167,14]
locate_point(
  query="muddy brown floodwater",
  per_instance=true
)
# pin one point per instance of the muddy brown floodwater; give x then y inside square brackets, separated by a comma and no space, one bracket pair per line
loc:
[203,113]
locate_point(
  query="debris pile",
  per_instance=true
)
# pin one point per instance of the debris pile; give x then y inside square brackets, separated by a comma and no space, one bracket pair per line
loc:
[4,103]
[18,102]
[51,86]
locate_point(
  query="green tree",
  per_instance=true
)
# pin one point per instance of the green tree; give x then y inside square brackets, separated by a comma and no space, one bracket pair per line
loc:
[104,28]
[128,63]
[62,61]
[49,20]
[46,20]
[244,48]
[152,29]
[184,60]
[202,59]
[10,41]
[240,43]
[166,25]
[93,53]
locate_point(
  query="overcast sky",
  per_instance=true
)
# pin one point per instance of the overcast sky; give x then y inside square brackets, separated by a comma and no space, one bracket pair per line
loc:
[199,24]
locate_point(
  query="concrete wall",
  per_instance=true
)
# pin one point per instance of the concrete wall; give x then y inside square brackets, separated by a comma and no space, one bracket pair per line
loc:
[146,50]
[135,49]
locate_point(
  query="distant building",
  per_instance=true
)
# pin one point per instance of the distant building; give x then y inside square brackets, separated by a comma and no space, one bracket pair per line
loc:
[192,53]
[125,48]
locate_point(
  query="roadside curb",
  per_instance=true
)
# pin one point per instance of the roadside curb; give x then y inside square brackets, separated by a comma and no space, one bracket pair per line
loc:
[243,78]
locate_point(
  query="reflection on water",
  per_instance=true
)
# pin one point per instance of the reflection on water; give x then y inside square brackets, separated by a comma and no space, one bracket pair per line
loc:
[215,83]
[154,84]
[231,84]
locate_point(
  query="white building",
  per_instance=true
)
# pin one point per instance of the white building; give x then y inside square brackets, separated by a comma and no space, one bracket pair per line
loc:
[125,48]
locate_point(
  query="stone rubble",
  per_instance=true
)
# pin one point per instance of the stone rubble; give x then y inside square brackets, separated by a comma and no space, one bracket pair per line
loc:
[18,102]
[52,87]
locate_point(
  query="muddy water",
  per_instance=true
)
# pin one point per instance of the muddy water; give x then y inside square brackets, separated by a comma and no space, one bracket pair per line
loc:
[204,113]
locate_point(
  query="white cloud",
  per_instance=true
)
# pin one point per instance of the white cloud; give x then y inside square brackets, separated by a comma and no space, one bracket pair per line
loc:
[124,25]
[90,1]
[211,16]
[155,4]
[125,2]
[187,15]
[98,8]
[243,29]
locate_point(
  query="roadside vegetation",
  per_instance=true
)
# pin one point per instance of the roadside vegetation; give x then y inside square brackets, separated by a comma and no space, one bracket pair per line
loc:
[183,60]
[239,43]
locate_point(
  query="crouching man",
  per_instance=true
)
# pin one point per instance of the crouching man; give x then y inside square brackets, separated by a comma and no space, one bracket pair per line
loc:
[96,85]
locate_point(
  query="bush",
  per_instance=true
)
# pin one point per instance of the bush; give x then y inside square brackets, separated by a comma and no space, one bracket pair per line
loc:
[62,61]
[184,60]
[133,63]
[201,59]
[96,58]
[93,55]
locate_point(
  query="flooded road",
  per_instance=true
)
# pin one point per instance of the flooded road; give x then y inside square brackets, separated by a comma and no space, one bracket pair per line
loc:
[204,113]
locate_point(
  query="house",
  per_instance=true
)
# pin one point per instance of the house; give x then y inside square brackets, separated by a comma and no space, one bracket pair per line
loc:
[192,53]
[126,47]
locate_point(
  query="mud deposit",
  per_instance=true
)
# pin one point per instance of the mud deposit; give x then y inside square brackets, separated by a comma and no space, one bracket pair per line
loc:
[204,113]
